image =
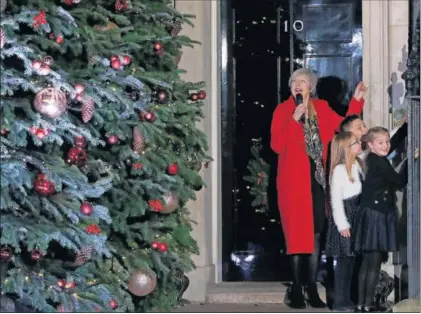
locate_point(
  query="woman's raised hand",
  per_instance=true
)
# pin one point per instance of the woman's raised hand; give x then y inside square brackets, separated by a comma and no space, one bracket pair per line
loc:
[360,90]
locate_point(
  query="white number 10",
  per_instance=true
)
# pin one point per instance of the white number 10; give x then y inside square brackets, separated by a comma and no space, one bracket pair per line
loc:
[297,26]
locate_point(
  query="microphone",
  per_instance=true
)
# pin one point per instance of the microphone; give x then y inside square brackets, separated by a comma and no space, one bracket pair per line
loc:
[299,101]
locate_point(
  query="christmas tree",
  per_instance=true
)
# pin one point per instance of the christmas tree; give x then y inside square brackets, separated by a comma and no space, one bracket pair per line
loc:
[258,178]
[126,129]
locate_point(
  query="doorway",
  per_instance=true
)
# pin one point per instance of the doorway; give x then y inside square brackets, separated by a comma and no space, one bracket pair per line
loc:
[262,43]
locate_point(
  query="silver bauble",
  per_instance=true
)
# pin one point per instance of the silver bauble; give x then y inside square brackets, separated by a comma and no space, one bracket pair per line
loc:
[50,102]
[142,282]
[171,203]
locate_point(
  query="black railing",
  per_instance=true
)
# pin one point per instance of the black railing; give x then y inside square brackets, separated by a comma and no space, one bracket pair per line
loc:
[413,197]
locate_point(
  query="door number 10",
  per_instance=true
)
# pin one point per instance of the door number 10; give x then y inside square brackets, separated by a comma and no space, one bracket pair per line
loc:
[297,26]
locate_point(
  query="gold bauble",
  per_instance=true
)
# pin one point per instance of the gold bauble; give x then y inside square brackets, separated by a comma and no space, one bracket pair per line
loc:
[171,203]
[109,26]
[142,282]
[50,102]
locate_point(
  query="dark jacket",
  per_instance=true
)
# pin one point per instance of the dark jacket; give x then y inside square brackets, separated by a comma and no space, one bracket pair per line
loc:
[381,182]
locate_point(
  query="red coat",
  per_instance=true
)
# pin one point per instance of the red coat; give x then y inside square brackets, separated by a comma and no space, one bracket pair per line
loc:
[293,180]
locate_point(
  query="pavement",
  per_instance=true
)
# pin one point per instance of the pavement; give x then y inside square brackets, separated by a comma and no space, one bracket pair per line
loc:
[242,308]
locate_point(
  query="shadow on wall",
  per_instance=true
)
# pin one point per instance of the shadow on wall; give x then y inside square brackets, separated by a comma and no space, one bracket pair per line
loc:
[333,89]
[396,91]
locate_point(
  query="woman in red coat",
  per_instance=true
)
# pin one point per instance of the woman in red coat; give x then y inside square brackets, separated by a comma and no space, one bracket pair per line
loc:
[300,136]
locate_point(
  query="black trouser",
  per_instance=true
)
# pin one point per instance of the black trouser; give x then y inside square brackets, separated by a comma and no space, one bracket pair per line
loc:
[299,260]
[343,281]
[368,277]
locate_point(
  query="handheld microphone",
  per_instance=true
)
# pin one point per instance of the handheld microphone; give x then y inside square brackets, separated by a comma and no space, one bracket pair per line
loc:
[299,101]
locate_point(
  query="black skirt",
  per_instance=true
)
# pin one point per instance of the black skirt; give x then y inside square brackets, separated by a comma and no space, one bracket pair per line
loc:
[375,231]
[318,198]
[337,245]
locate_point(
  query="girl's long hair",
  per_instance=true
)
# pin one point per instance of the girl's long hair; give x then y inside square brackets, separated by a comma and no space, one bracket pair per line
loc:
[341,154]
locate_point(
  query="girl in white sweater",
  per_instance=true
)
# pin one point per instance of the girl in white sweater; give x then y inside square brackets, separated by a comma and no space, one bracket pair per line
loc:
[345,190]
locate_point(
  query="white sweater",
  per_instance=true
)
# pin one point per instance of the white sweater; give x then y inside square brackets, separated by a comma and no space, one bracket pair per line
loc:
[341,188]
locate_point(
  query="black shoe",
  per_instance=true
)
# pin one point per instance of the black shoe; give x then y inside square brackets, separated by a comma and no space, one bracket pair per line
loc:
[358,309]
[296,297]
[313,297]
[368,309]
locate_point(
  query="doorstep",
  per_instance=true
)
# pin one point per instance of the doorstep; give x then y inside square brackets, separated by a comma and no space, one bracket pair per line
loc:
[251,292]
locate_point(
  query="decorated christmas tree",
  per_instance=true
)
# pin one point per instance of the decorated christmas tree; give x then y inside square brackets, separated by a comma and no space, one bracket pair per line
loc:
[258,178]
[100,154]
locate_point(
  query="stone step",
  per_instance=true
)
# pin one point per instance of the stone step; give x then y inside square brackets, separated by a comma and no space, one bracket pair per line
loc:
[251,292]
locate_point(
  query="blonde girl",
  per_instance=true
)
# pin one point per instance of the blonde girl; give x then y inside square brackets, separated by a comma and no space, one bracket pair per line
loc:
[375,222]
[345,191]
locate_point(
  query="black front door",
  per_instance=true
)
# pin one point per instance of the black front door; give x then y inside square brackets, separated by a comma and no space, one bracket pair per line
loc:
[263,41]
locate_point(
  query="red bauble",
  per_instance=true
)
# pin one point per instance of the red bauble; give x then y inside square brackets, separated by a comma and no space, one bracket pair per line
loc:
[159,52]
[80,141]
[59,39]
[201,94]
[163,247]
[113,304]
[116,64]
[36,255]
[4,132]
[113,139]
[70,285]
[79,88]
[86,208]
[76,156]
[150,117]
[126,60]
[147,116]
[155,205]
[194,97]
[5,253]
[155,245]
[44,187]
[114,57]
[40,133]
[137,165]
[162,96]
[93,229]
[173,169]
[158,46]
[61,283]
[68,2]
